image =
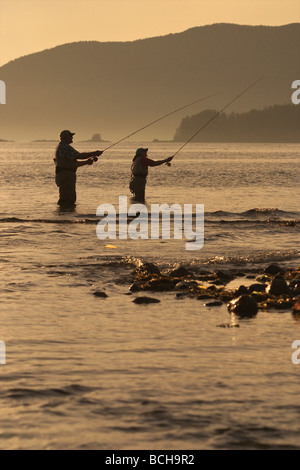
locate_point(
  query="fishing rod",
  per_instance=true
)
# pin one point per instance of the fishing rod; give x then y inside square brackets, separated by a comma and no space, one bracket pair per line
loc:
[157,120]
[215,116]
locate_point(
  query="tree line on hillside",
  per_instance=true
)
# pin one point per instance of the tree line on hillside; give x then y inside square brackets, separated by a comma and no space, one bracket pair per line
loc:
[279,123]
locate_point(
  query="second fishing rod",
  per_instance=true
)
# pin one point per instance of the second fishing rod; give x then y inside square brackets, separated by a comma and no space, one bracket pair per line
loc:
[155,121]
[215,116]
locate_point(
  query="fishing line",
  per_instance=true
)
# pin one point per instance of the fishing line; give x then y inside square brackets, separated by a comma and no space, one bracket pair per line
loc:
[216,115]
[159,119]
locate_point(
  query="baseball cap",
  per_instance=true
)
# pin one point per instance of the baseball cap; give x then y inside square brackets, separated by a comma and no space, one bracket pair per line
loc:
[66,133]
[140,150]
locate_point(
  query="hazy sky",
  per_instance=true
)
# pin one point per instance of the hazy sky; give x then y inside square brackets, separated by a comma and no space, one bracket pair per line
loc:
[28,26]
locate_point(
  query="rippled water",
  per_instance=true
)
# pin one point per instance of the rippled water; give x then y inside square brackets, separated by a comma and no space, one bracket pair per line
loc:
[86,372]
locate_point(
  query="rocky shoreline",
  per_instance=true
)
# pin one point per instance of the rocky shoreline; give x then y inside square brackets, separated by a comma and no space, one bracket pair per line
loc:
[274,288]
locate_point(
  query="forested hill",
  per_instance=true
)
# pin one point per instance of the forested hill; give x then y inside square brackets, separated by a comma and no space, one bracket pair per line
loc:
[280,123]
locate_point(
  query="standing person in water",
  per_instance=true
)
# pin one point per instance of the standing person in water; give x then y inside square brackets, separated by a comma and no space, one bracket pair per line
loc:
[66,161]
[139,173]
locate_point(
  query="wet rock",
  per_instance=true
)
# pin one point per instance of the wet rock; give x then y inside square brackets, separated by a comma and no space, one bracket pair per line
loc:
[226,275]
[263,279]
[242,290]
[212,288]
[274,269]
[219,282]
[295,286]
[203,296]
[101,294]
[243,306]
[181,295]
[280,304]
[278,286]
[296,308]
[295,283]
[214,303]
[257,288]
[186,284]
[228,325]
[147,269]
[160,284]
[135,287]
[145,300]
[181,271]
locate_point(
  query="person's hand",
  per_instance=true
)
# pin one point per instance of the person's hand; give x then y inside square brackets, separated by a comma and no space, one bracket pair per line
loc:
[90,161]
[98,153]
[170,159]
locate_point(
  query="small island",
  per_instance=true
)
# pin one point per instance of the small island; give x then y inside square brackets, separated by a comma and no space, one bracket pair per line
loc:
[96,138]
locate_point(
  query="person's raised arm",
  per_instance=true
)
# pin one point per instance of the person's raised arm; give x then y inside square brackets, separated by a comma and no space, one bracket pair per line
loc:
[83,155]
[161,162]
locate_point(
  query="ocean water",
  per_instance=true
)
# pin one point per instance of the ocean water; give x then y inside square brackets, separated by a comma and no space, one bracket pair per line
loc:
[86,372]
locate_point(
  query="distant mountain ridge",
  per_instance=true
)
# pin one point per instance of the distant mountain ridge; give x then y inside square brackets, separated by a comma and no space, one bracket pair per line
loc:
[116,87]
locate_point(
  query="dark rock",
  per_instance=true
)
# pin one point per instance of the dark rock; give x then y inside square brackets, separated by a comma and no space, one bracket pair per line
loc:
[181,271]
[263,279]
[228,325]
[145,300]
[280,304]
[278,286]
[296,308]
[212,288]
[219,282]
[295,283]
[274,269]
[214,303]
[203,296]
[224,275]
[257,288]
[295,286]
[243,306]
[242,290]
[147,269]
[181,295]
[101,294]
[135,287]
[160,284]
[186,284]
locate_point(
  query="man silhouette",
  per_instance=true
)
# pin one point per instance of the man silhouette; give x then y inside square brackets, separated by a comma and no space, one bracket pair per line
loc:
[66,161]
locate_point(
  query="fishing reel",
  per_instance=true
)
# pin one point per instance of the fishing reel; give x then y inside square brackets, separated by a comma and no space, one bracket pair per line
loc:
[168,164]
[95,159]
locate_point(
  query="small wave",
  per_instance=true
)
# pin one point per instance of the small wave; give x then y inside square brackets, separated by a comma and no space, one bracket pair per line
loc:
[209,217]
[255,258]
[274,212]
[70,390]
